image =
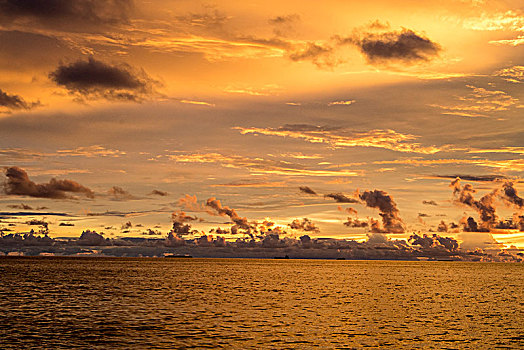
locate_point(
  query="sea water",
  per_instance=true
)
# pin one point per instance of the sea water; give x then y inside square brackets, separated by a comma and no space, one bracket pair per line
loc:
[159,303]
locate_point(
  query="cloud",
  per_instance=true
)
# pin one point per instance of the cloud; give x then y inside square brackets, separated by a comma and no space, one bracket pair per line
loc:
[252,184]
[307,190]
[485,206]
[64,13]
[476,178]
[179,219]
[391,221]
[158,193]
[20,206]
[305,225]
[11,102]
[355,223]
[18,183]
[119,194]
[126,225]
[319,54]
[429,202]
[479,101]
[512,20]
[510,195]
[342,138]
[258,165]
[404,46]
[434,241]
[341,198]
[504,165]
[91,151]
[513,74]
[67,224]
[348,210]
[241,222]
[94,79]
[341,103]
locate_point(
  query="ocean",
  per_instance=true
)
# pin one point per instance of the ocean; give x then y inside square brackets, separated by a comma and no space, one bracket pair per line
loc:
[159,303]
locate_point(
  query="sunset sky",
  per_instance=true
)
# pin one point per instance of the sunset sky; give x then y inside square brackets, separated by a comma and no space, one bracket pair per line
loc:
[279,110]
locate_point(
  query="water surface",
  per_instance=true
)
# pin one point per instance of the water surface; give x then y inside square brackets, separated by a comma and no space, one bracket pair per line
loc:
[122,303]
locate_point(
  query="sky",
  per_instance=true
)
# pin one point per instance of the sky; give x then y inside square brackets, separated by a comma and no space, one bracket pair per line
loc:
[341,119]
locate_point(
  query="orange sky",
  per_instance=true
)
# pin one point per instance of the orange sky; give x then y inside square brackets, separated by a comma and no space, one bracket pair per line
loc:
[247,102]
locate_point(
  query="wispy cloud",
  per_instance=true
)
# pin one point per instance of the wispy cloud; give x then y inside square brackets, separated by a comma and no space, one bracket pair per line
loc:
[342,138]
[258,165]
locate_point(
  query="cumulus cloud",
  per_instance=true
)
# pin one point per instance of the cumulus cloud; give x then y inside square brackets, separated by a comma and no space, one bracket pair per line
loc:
[241,222]
[304,225]
[10,102]
[93,79]
[391,221]
[307,190]
[18,183]
[485,206]
[180,228]
[434,241]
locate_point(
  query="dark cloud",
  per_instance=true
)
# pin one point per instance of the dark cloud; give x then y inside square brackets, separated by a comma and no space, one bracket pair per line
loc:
[179,219]
[159,193]
[434,241]
[405,46]
[510,195]
[284,19]
[15,102]
[67,224]
[319,54]
[470,225]
[429,202]
[150,232]
[476,178]
[356,223]
[306,189]
[341,198]
[126,226]
[35,222]
[119,194]
[391,221]
[284,25]
[92,238]
[94,79]
[18,183]
[304,225]
[20,206]
[226,211]
[66,13]
[423,215]
[485,206]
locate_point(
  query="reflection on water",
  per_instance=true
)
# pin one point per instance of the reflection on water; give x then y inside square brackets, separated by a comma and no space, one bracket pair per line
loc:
[102,303]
